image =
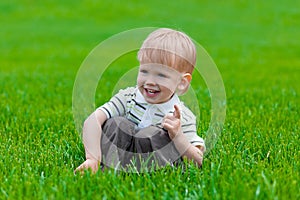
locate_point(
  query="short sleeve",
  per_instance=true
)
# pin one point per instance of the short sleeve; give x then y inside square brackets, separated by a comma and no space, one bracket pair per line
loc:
[189,127]
[116,106]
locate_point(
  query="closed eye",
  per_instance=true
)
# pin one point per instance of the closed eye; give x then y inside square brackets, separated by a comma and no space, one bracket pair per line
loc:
[143,71]
[162,75]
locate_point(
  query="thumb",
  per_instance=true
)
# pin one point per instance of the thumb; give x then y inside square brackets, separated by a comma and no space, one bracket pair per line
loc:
[176,113]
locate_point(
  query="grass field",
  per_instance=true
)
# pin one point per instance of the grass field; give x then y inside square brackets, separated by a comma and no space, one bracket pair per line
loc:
[255,45]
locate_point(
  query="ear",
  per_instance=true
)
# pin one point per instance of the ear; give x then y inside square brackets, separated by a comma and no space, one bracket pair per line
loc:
[184,84]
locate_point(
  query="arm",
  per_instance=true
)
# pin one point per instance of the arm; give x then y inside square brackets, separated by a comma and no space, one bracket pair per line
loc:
[92,128]
[91,139]
[185,148]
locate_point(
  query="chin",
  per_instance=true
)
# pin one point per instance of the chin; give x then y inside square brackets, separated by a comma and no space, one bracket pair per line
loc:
[154,101]
[151,101]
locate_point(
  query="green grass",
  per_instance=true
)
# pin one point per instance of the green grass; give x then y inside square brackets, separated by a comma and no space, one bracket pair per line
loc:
[255,45]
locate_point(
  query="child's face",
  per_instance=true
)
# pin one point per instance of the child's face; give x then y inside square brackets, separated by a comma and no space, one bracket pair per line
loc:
[157,83]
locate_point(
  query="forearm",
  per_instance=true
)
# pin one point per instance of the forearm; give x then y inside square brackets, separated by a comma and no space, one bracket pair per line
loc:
[92,135]
[187,150]
[172,123]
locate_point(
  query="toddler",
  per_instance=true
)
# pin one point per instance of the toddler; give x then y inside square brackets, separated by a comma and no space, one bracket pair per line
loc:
[148,123]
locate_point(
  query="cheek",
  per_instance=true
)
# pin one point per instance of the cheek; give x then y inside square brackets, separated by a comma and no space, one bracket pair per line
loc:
[170,85]
[140,80]
[168,88]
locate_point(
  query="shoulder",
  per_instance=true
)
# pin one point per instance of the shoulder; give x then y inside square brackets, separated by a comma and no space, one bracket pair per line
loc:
[128,92]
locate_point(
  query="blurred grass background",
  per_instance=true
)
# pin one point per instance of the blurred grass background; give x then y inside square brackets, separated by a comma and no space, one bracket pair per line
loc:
[255,45]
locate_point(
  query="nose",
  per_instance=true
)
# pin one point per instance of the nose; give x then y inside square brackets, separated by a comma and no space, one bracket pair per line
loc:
[150,81]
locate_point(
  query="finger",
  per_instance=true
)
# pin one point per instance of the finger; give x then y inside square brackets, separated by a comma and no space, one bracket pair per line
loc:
[168,117]
[167,126]
[169,123]
[176,113]
[165,121]
[79,170]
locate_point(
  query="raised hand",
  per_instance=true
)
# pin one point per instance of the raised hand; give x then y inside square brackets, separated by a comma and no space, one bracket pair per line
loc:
[172,123]
[184,147]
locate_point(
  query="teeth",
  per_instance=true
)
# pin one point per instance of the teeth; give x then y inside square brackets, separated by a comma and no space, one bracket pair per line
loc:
[151,91]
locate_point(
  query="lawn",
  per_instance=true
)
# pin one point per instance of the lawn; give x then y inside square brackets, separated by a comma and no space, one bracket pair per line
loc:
[255,45]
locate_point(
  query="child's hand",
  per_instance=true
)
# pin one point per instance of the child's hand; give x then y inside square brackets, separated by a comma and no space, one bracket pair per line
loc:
[88,164]
[172,123]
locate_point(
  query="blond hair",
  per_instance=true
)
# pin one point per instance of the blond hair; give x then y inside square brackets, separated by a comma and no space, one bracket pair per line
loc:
[169,47]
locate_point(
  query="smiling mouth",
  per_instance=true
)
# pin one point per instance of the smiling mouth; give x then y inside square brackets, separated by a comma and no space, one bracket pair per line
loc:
[151,93]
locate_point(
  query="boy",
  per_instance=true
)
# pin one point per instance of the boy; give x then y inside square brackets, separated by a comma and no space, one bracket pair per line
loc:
[148,121]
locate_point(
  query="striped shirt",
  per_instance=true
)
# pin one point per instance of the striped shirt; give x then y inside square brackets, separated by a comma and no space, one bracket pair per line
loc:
[131,104]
